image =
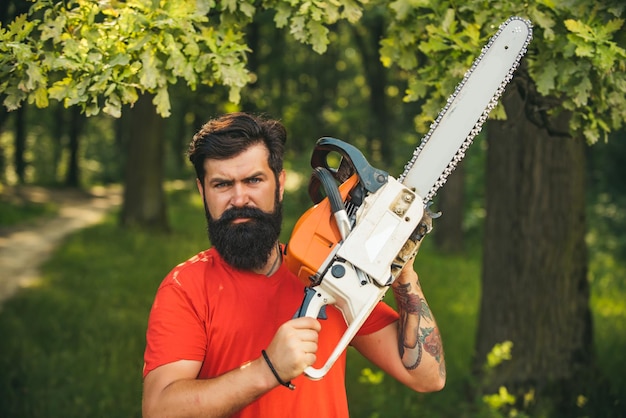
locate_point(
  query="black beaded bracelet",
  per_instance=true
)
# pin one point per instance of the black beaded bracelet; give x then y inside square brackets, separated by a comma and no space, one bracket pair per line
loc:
[275,373]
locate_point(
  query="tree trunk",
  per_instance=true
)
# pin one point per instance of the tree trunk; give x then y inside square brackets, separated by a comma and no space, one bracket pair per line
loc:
[448,230]
[535,291]
[19,159]
[367,39]
[4,115]
[73,170]
[144,198]
[58,132]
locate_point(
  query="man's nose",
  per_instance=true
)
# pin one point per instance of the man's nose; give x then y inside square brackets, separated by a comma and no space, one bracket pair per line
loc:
[240,197]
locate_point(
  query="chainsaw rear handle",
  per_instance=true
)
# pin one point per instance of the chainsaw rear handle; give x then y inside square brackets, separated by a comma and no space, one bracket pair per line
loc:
[352,294]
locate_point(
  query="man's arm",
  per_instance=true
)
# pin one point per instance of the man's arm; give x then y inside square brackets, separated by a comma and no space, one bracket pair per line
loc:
[173,390]
[410,350]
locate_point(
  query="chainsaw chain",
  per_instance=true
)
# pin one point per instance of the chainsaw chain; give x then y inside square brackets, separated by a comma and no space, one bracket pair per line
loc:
[460,154]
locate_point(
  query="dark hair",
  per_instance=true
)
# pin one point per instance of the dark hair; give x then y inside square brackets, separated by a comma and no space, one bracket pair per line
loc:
[231,134]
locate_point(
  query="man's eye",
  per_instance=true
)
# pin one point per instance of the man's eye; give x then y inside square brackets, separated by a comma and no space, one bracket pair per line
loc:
[254,180]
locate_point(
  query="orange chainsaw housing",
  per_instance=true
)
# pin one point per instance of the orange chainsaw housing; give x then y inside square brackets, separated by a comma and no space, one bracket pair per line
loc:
[314,237]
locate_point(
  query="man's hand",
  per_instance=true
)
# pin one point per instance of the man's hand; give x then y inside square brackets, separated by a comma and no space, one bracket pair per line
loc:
[407,275]
[294,347]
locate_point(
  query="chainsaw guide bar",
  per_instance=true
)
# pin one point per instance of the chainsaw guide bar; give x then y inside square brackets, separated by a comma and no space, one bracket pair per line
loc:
[467,109]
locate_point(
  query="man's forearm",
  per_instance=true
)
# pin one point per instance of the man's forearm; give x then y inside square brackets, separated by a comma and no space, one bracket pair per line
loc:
[419,340]
[218,397]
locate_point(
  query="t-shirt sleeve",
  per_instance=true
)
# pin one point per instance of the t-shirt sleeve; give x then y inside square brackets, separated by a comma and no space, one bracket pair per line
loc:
[176,329]
[381,316]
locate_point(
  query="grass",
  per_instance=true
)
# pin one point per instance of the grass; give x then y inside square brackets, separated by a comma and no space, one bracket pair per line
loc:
[73,345]
[14,210]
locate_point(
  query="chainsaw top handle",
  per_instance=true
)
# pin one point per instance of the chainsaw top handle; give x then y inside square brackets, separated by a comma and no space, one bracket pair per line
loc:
[370,178]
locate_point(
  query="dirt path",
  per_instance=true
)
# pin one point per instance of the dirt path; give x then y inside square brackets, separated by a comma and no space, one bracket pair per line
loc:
[24,248]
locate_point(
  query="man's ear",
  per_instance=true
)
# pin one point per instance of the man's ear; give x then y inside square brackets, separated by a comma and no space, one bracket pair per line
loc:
[200,187]
[281,183]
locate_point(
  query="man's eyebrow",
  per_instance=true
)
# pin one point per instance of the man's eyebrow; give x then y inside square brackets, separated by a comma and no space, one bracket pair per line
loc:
[215,180]
[218,179]
[257,174]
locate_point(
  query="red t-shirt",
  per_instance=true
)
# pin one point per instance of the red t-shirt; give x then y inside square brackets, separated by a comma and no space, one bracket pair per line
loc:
[205,310]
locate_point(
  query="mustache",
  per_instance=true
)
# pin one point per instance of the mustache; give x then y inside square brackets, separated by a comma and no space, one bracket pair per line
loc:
[242,212]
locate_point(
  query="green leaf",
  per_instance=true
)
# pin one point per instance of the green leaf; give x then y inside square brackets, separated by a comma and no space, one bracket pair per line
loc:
[579,28]
[582,91]
[53,29]
[230,5]
[318,36]
[162,102]
[352,11]
[433,44]
[149,73]
[13,99]
[407,59]
[41,97]
[91,108]
[234,94]
[61,89]
[402,8]
[283,13]
[20,28]
[35,76]
[247,8]
[545,80]
[448,24]
[544,21]
[119,59]
[610,27]
[584,49]
[113,106]
[417,89]
[128,94]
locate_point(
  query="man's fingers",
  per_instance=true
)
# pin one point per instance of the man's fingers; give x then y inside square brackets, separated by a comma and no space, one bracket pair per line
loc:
[306,322]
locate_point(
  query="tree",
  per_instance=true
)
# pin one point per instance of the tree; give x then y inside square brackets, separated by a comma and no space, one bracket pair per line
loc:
[20,145]
[535,289]
[76,121]
[144,200]
[367,35]
[8,10]
[102,55]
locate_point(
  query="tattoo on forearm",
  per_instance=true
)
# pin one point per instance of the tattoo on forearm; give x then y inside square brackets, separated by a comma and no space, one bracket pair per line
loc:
[408,302]
[413,339]
[431,341]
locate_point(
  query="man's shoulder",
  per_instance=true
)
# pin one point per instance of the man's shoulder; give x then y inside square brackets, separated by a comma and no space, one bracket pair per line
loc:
[192,268]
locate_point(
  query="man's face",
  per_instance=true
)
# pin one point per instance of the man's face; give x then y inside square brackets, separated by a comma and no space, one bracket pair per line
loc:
[243,203]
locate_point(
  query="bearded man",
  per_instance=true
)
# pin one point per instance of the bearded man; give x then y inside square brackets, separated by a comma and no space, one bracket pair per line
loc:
[221,338]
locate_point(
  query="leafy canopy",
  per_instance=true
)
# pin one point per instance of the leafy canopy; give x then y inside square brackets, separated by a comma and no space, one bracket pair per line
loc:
[577,59]
[102,54]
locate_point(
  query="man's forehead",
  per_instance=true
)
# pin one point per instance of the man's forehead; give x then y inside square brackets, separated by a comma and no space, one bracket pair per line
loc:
[253,159]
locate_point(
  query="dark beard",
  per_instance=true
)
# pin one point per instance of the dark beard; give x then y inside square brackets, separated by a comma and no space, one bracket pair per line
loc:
[247,245]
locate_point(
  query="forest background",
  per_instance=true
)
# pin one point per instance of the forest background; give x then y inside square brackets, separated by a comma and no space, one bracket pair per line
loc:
[532,229]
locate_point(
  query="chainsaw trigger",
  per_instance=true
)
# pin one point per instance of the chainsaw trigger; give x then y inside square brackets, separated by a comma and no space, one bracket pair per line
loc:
[322,314]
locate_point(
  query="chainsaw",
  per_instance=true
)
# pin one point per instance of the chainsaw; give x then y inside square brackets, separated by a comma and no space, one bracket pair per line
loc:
[365,225]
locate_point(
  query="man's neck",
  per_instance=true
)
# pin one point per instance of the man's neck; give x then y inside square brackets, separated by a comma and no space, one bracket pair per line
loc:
[273,263]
